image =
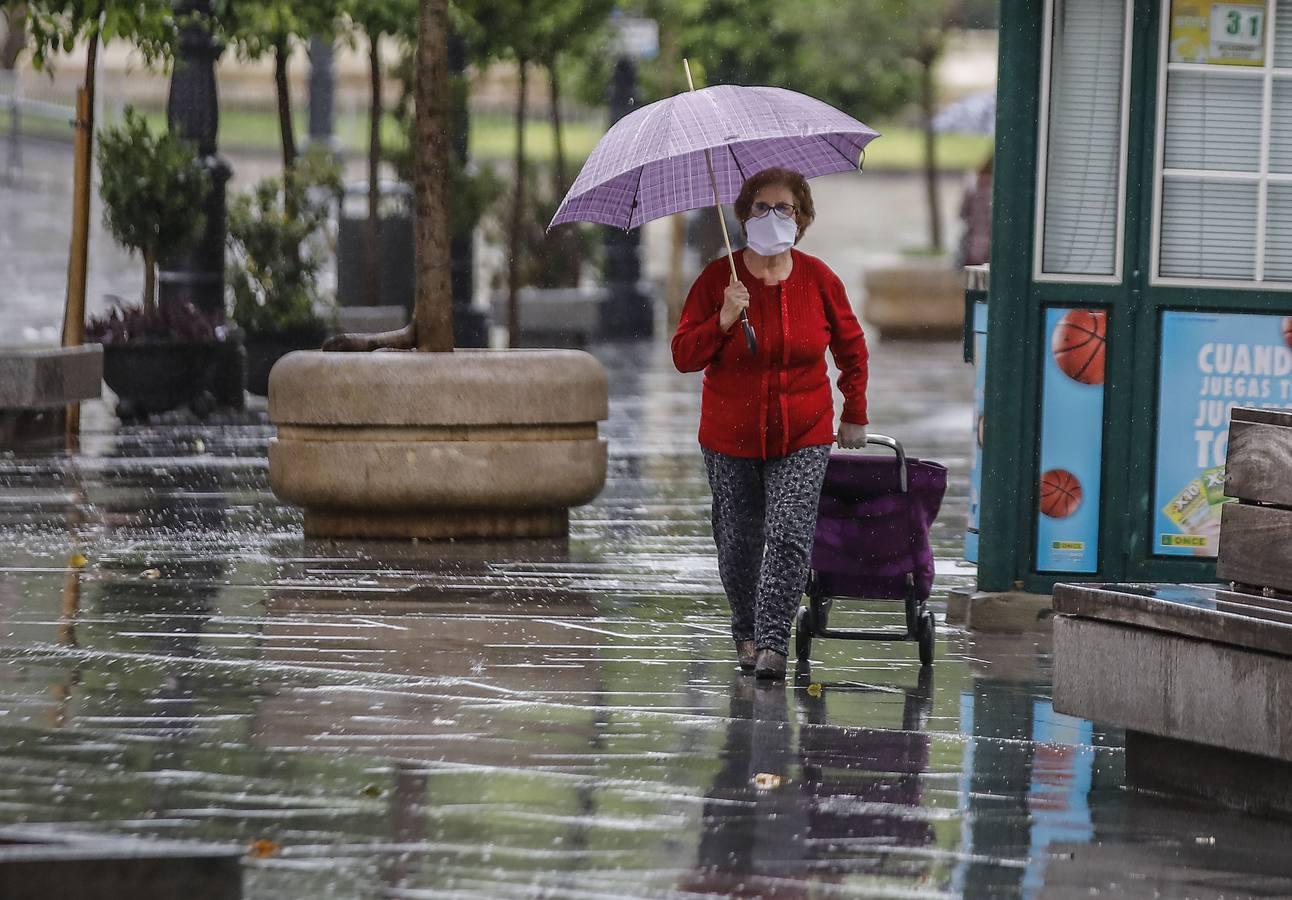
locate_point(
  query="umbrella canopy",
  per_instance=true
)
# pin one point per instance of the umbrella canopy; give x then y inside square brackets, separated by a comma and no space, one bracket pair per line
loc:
[652,162]
[971,114]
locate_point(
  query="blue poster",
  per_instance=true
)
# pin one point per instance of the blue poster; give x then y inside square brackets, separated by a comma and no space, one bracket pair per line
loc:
[979,404]
[1072,440]
[1210,363]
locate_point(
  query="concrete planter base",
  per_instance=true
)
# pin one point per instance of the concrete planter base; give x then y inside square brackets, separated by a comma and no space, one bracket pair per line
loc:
[476,443]
[916,301]
[448,524]
[1005,612]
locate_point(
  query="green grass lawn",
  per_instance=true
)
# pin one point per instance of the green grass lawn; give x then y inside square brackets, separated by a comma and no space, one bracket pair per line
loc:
[493,138]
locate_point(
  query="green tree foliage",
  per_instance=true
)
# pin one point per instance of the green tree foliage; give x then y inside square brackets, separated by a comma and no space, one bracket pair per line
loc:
[274,232]
[55,26]
[858,55]
[151,185]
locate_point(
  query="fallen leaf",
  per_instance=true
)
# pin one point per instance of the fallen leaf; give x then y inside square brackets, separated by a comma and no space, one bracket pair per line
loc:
[371,791]
[77,561]
[262,848]
[814,690]
[152,573]
[766,781]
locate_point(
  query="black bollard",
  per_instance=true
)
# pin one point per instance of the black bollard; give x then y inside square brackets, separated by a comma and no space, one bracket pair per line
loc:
[322,106]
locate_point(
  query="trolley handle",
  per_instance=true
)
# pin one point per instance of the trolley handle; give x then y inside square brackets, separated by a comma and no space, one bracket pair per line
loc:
[893,444]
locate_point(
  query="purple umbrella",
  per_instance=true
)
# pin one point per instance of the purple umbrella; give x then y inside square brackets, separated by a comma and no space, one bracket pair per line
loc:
[652,162]
[698,148]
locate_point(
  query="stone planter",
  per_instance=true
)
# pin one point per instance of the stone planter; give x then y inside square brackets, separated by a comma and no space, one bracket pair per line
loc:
[264,349]
[554,317]
[157,376]
[474,443]
[921,301]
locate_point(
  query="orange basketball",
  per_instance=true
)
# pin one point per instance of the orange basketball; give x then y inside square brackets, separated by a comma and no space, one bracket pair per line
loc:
[1060,493]
[1078,345]
[1287,330]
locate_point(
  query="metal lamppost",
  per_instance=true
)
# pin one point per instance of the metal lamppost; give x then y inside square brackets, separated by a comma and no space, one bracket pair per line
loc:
[196,275]
[626,312]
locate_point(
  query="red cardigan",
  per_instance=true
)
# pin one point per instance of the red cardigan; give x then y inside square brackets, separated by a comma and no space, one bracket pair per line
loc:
[779,401]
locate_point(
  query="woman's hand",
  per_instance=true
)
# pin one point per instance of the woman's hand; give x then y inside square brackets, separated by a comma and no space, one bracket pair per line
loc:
[852,437]
[735,300]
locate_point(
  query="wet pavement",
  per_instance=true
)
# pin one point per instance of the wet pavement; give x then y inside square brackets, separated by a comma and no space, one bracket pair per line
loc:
[543,719]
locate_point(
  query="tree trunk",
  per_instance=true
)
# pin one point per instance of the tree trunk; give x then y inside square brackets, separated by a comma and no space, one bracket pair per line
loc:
[79,250]
[434,305]
[517,217]
[15,38]
[558,172]
[927,102]
[372,260]
[282,52]
[150,281]
[78,253]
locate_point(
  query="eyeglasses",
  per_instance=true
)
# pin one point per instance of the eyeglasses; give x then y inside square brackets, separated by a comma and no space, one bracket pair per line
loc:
[782,210]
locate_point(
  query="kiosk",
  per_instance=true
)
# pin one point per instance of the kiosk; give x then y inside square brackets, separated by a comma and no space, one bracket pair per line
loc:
[1140,282]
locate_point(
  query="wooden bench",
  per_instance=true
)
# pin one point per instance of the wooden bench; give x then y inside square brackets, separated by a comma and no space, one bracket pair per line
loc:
[1198,675]
[36,385]
[1256,532]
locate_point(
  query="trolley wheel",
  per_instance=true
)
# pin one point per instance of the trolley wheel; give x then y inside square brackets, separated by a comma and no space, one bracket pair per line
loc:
[803,633]
[926,634]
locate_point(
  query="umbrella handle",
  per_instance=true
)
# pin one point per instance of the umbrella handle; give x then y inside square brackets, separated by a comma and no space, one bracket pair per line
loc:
[750,338]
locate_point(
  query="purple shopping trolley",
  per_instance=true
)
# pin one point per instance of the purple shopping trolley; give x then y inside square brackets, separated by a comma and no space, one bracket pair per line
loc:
[872,543]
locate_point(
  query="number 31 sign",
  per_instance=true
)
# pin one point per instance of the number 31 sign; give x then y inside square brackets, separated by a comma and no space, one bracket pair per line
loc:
[1237,34]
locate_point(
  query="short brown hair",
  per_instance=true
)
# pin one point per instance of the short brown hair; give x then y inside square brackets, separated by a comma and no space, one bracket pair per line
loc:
[793,180]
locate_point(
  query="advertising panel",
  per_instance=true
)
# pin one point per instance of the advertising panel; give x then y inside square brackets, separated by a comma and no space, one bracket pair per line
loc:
[979,404]
[1215,33]
[1072,438]
[1210,363]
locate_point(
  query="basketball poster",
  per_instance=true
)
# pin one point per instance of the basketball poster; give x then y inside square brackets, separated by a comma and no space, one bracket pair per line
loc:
[1072,438]
[1211,362]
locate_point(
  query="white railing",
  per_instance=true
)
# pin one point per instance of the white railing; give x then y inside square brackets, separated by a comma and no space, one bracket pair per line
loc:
[30,106]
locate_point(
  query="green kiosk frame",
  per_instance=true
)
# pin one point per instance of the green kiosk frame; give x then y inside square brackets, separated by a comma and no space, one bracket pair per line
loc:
[1140,280]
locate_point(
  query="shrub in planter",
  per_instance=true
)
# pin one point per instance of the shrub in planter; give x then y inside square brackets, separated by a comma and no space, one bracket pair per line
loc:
[156,359]
[275,234]
[162,358]
[153,187]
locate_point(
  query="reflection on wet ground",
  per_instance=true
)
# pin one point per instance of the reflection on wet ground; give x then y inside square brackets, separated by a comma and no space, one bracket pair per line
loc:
[558,719]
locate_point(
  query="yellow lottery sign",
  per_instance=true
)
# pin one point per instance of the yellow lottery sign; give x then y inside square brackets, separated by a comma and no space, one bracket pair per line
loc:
[1226,34]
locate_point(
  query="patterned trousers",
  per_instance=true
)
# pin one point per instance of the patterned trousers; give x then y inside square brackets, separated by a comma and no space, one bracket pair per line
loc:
[764,521]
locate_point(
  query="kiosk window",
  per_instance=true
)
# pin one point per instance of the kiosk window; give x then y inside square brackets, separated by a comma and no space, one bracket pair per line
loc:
[1224,161]
[1082,158]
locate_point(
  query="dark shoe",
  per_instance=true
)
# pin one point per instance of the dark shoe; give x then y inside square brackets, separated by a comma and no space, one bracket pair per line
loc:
[746,655]
[770,665]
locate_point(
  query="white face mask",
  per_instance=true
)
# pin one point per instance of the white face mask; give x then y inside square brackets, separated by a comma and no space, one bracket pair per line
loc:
[771,234]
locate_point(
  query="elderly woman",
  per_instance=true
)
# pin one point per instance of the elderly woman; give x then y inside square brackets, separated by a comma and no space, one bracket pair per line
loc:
[766,420]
